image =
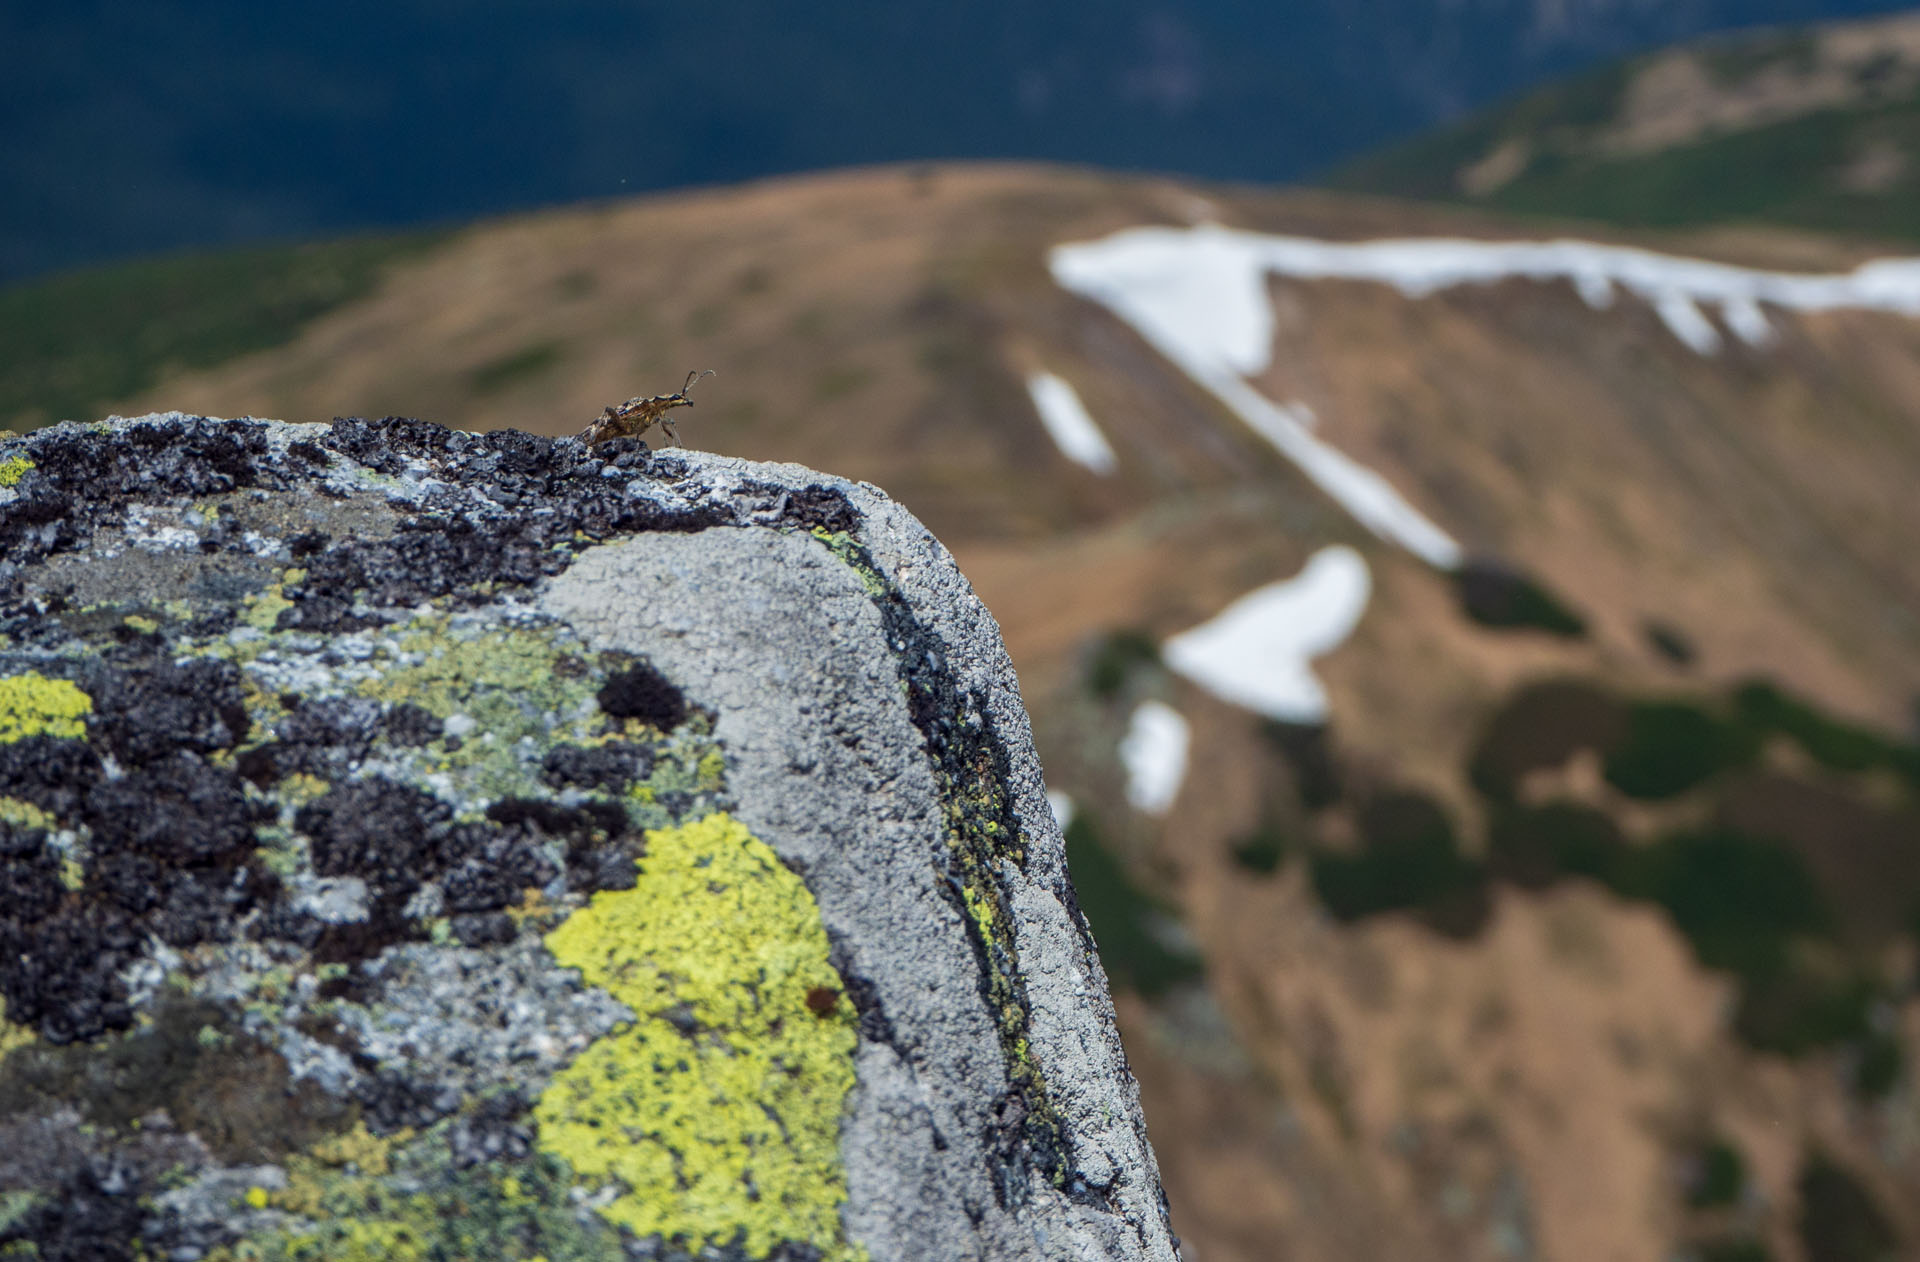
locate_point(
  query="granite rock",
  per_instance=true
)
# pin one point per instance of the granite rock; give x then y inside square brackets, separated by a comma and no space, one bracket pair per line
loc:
[421,844]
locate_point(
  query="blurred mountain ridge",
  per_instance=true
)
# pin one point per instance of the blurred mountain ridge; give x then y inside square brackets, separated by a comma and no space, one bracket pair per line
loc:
[126,128]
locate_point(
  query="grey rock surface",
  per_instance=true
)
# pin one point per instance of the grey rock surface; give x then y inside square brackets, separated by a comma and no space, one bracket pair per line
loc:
[364,776]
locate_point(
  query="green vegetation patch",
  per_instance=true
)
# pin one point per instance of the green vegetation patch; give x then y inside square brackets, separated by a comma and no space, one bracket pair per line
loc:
[1263,850]
[1308,749]
[1834,744]
[1408,862]
[1538,728]
[1788,172]
[1839,1221]
[1123,918]
[717,1112]
[1503,598]
[1428,165]
[1534,846]
[70,344]
[1790,887]
[1719,1176]
[1814,999]
[1115,659]
[1737,899]
[1670,642]
[1670,747]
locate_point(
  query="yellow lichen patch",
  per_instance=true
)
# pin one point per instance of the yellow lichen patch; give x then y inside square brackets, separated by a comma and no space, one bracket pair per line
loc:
[33,705]
[719,1108]
[11,471]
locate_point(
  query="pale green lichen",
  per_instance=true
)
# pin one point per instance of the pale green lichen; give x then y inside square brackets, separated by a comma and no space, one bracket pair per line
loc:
[11,471]
[12,1035]
[397,1199]
[718,1110]
[33,705]
[361,1150]
[25,815]
[501,680]
[263,610]
[854,557]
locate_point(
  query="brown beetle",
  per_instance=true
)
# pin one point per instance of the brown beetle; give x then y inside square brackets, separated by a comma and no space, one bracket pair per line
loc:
[638,415]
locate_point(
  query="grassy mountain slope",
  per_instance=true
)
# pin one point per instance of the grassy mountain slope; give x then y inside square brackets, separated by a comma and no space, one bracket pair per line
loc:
[1816,128]
[1567,945]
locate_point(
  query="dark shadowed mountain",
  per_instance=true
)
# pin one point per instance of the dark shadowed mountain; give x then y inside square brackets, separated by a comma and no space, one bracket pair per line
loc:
[127,128]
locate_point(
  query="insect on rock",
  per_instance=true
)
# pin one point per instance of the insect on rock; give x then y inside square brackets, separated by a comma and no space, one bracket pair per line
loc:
[638,415]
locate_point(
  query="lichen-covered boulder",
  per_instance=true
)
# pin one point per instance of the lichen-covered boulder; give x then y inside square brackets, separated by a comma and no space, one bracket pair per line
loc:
[428,845]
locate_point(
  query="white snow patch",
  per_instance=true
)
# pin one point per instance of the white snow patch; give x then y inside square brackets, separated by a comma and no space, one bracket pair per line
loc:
[1236,264]
[1594,289]
[1199,295]
[1686,322]
[1154,754]
[1258,651]
[1074,431]
[1200,298]
[1061,804]
[1362,492]
[1747,320]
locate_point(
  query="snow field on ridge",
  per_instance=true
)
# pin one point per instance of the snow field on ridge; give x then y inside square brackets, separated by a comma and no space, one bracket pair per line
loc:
[1198,295]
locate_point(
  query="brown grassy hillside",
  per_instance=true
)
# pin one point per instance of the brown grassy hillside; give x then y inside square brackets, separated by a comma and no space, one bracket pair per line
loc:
[1546,1052]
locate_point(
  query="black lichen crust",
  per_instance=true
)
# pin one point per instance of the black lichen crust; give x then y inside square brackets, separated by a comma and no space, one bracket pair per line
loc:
[972,768]
[211,808]
[171,836]
[157,785]
[495,509]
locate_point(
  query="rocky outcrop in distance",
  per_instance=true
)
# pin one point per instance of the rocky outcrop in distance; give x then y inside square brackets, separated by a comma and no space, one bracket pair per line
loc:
[424,844]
